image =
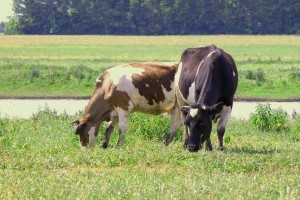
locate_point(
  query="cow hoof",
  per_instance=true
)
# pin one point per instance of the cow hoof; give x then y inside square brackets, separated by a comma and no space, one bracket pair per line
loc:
[104,145]
[166,142]
[208,149]
[220,148]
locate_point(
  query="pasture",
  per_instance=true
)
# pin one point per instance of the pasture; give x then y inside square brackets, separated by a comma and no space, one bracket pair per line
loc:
[40,158]
[67,66]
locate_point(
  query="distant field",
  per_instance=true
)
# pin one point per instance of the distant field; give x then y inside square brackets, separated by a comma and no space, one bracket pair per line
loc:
[67,66]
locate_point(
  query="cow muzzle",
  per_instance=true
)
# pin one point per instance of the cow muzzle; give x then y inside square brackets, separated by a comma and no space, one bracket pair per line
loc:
[192,148]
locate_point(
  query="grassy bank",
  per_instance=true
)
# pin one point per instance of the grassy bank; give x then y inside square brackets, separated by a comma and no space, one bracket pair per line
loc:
[57,66]
[40,158]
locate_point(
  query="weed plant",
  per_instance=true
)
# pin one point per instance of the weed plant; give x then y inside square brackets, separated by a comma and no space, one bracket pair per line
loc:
[266,118]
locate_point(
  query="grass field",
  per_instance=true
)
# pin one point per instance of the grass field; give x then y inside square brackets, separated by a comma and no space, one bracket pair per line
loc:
[57,66]
[40,158]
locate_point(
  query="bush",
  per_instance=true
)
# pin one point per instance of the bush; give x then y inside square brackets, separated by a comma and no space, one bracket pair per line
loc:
[295,74]
[260,76]
[12,27]
[268,119]
[251,75]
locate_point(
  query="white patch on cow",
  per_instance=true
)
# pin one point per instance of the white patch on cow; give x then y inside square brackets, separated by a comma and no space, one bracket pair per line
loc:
[169,102]
[233,73]
[98,80]
[210,54]
[191,97]
[121,74]
[194,112]
[92,136]
[192,91]
[123,118]
[177,75]
[199,68]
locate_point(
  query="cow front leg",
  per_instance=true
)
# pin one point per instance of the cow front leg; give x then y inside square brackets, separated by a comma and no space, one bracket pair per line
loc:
[175,125]
[208,145]
[221,126]
[186,137]
[123,122]
[108,131]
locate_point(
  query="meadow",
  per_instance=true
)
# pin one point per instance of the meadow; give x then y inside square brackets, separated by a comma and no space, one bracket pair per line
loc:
[67,66]
[40,157]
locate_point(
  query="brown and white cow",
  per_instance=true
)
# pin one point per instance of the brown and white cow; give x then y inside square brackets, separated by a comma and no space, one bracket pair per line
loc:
[206,82]
[144,87]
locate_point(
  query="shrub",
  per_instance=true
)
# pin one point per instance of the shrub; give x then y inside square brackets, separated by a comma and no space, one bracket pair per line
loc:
[251,75]
[268,119]
[260,76]
[295,73]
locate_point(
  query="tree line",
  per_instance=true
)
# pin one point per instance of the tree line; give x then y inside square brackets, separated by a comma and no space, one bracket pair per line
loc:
[154,17]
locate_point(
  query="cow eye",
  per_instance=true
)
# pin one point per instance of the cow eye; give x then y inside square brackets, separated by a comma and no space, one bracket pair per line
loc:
[186,122]
[200,123]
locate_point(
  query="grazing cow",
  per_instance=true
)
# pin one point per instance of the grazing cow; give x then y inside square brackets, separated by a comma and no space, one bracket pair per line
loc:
[144,87]
[207,79]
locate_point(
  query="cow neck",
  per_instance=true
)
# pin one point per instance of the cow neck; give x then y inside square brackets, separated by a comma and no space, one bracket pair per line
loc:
[97,108]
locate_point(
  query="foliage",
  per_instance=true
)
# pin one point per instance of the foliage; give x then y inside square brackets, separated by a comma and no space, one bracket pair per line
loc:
[295,74]
[40,158]
[268,119]
[12,27]
[260,76]
[250,74]
[157,17]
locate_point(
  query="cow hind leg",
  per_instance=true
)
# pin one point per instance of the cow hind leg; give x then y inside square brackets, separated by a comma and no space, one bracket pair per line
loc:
[175,125]
[109,129]
[222,124]
[123,122]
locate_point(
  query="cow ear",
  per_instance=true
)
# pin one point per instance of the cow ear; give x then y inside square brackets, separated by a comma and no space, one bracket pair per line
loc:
[75,122]
[217,108]
[80,128]
[185,110]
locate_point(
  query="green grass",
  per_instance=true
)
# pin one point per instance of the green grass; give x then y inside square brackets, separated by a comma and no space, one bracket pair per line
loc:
[40,158]
[39,66]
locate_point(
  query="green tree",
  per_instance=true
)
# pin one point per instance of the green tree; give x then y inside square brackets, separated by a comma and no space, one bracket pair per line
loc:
[12,26]
[154,17]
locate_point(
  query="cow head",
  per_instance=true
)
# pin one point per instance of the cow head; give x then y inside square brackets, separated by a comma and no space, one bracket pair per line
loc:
[87,132]
[198,118]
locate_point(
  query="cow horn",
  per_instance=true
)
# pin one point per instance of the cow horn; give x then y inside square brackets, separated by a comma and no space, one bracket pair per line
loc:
[75,122]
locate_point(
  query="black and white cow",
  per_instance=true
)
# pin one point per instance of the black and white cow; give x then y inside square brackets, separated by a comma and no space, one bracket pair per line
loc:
[206,80]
